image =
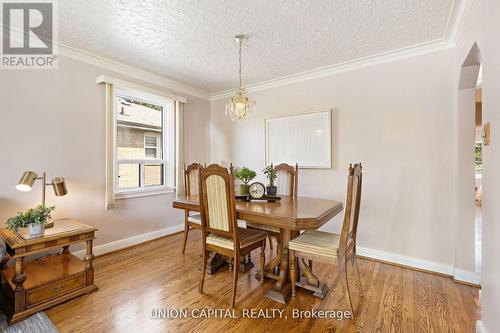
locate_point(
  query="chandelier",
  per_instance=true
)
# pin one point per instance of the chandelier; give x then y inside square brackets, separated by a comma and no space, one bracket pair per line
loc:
[240,106]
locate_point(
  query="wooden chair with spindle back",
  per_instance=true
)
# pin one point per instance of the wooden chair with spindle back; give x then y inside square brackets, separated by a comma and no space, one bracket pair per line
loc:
[220,231]
[287,181]
[192,219]
[333,248]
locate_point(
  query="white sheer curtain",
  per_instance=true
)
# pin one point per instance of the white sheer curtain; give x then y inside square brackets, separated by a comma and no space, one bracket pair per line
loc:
[179,138]
[110,147]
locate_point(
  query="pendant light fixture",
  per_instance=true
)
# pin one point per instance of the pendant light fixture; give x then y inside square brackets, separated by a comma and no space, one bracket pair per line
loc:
[239,107]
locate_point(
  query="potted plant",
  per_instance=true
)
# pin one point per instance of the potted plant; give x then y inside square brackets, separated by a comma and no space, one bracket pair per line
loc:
[33,218]
[245,175]
[271,176]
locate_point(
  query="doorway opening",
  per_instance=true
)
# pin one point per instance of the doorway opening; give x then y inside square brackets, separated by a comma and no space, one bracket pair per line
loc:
[468,171]
[478,168]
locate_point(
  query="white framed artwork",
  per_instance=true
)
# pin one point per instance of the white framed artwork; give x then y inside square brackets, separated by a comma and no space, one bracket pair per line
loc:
[304,138]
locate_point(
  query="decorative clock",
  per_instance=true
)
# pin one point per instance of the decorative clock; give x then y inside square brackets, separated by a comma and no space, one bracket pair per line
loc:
[257,191]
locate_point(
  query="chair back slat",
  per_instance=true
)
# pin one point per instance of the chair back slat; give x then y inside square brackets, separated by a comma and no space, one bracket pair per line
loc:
[287,179]
[217,202]
[352,206]
[191,178]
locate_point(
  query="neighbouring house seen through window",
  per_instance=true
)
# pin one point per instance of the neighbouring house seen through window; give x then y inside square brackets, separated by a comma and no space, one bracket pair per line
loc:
[144,143]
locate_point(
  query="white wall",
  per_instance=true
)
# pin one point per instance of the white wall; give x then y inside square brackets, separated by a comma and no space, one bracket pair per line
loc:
[396,119]
[54,121]
[482,27]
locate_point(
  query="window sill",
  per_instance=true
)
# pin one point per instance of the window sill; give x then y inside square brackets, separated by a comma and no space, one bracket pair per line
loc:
[143,193]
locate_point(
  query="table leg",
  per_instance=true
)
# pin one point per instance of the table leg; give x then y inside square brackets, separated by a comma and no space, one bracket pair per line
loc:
[215,261]
[245,263]
[89,268]
[270,270]
[307,273]
[281,290]
[18,280]
[309,281]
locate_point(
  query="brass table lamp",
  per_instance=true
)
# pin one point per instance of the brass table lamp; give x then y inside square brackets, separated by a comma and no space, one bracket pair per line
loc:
[25,184]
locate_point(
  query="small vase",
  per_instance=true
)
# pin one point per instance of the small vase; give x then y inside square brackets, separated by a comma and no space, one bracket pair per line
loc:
[36,229]
[271,190]
[244,189]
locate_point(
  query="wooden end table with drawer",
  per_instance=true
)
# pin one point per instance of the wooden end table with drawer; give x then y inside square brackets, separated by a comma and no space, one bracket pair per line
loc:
[31,286]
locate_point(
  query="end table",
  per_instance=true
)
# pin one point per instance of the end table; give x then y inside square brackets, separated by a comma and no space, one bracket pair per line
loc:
[32,286]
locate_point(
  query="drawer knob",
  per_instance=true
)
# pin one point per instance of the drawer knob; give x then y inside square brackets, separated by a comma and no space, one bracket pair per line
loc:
[58,288]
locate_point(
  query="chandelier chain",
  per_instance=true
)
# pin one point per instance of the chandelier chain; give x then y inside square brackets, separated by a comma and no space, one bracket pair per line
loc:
[239,59]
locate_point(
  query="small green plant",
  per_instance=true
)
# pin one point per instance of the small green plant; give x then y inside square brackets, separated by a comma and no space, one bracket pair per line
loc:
[38,215]
[245,175]
[270,174]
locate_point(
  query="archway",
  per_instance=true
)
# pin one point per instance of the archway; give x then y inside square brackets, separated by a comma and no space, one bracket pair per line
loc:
[467,231]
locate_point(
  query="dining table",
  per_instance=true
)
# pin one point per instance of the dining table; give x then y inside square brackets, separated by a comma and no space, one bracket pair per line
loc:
[291,214]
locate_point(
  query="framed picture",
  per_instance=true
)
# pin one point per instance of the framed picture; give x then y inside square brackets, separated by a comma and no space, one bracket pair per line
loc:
[304,138]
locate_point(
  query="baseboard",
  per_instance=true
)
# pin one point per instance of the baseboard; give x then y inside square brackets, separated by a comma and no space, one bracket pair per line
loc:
[134,240]
[459,276]
[467,277]
[480,327]
[406,261]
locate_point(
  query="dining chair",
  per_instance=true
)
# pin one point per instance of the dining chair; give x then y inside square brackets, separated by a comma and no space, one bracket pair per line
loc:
[333,248]
[220,231]
[192,219]
[287,180]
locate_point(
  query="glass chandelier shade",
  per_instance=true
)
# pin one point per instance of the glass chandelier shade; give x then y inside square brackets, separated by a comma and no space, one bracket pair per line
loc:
[240,106]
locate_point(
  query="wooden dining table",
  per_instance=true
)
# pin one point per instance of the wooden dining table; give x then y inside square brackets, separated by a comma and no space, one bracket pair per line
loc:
[290,215]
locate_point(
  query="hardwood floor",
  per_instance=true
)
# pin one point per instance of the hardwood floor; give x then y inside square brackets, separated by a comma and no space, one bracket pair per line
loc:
[135,281]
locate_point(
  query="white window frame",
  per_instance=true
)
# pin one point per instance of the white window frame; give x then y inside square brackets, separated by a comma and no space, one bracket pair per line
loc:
[168,147]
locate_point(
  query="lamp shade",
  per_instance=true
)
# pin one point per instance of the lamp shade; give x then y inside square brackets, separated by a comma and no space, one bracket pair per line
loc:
[26,182]
[59,185]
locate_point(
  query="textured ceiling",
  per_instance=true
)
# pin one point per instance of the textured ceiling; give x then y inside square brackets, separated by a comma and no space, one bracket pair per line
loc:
[191,42]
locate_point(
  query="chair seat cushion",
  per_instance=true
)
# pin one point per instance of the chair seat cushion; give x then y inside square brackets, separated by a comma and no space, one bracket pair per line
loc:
[195,218]
[264,227]
[316,242]
[247,237]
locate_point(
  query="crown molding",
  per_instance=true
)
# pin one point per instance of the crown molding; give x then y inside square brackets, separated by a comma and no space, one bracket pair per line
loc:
[456,22]
[429,47]
[130,71]
[458,18]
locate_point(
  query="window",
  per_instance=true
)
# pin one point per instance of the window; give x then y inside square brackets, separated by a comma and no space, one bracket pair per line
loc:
[145,143]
